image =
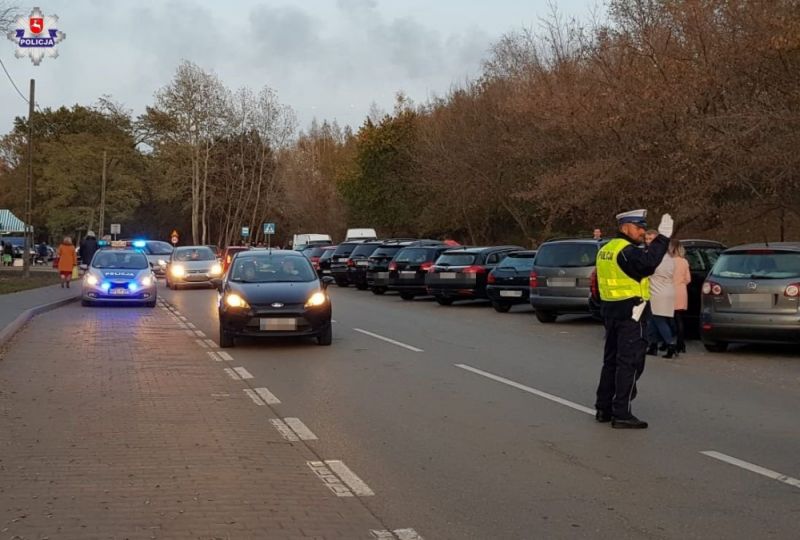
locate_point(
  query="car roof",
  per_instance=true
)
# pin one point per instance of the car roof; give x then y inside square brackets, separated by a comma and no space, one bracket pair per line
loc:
[783,246]
[123,250]
[526,252]
[693,242]
[481,249]
[254,252]
[580,240]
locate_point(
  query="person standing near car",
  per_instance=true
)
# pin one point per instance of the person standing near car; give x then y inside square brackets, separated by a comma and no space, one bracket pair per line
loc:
[88,248]
[662,302]
[67,261]
[682,276]
[623,269]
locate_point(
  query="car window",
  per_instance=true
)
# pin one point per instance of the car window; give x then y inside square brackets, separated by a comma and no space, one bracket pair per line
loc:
[711,255]
[364,250]
[344,250]
[127,260]
[567,255]
[517,263]
[313,251]
[696,261]
[158,248]
[326,254]
[761,264]
[456,259]
[194,254]
[413,256]
[493,258]
[385,252]
[272,268]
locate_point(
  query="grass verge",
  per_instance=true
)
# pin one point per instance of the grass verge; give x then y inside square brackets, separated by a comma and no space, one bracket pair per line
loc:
[12,281]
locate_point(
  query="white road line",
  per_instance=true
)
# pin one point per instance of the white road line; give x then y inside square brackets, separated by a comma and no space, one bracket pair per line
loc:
[284,430]
[243,373]
[191,325]
[252,395]
[267,396]
[181,325]
[189,332]
[232,374]
[402,534]
[181,317]
[211,343]
[225,356]
[214,356]
[387,340]
[356,484]
[200,333]
[329,479]
[301,429]
[753,468]
[201,343]
[528,389]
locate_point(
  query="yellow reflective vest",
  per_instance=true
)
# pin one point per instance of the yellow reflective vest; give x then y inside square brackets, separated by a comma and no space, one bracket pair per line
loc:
[614,284]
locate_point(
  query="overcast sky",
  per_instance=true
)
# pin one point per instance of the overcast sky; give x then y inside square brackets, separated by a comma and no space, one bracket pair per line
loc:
[326,58]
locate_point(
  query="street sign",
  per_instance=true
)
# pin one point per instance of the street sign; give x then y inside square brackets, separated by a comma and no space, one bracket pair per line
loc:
[245,231]
[116,228]
[269,228]
[174,237]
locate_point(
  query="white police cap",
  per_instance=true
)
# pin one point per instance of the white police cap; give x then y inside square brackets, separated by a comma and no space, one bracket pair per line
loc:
[638,217]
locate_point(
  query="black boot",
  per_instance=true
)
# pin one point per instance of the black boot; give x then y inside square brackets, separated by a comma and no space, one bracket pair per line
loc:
[680,347]
[671,352]
[652,350]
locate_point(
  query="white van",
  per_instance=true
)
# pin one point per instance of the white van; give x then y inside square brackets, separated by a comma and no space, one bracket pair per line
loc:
[361,234]
[299,241]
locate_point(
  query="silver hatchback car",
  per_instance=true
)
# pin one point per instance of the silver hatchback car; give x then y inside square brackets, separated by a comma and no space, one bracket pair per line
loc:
[193,265]
[752,295]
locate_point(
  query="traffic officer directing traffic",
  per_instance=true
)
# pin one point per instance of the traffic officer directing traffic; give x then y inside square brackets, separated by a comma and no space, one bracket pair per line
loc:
[623,268]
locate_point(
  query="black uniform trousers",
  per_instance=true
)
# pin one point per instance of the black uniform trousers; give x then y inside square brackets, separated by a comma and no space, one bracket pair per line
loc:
[623,364]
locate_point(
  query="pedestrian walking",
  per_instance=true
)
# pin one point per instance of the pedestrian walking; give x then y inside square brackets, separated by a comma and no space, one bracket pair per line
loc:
[681,279]
[88,249]
[623,269]
[7,253]
[67,261]
[662,302]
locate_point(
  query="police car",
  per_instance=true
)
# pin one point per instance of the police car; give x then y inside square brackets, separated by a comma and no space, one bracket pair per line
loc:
[119,274]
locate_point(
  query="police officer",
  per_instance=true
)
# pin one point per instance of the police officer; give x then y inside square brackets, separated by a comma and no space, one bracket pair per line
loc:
[623,267]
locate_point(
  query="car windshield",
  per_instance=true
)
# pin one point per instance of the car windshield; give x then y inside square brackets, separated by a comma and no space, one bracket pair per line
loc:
[760,264]
[194,254]
[413,255]
[456,259]
[567,255]
[272,268]
[158,248]
[125,260]
[517,263]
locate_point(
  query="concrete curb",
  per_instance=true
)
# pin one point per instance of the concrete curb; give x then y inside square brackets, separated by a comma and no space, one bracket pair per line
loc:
[14,326]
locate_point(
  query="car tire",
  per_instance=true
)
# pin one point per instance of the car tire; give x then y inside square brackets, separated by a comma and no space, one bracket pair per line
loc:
[325,337]
[546,316]
[226,339]
[378,290]
[86,303]
[716,346]
[443,301]
[406,296]
[151,304]
[501,308]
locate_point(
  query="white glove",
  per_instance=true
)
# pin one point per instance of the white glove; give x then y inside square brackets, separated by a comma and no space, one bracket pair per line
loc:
[666,225]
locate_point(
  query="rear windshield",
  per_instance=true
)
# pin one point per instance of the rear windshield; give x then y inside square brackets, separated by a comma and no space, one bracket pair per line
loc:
[194,254]
[701,259]
[314,251]
[125,260]
[344,250]
[158,248]
[456,259]
[764,264]
[517,263]
[326,254]
[566,255]
[364,250]
[414,255]
[386,251]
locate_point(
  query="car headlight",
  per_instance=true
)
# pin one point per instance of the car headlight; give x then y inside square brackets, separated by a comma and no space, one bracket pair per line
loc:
[147,281]
[162,262]
[236,301]
[178,270]
[316,299]
[92,280]
[216,269]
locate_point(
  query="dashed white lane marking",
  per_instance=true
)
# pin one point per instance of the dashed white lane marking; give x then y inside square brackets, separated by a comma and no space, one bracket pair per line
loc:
[200,333]
[401,534]
[232,374]
[189,332]
[214,356]
[753,468]
[252,395]
[243,373]
[356,484]
[388,340]
[181,317]
[329,479]
[191,325]
[528,389]
[201,343]
[267,396]
[211,343]
[284,430]
[300,429]
[181,325]
[225,356]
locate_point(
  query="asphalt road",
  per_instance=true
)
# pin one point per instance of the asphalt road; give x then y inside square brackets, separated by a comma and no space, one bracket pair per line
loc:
[458,454]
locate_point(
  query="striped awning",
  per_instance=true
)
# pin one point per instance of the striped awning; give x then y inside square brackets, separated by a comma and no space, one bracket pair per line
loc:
[10,223]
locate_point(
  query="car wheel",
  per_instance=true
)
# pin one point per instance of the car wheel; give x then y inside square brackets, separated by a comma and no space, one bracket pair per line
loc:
[226,339]
[716,346]
[378,290]
[86,303]
[406,296]
[326,336]
[442,301]
[546,316]
[501,308]
[151,303]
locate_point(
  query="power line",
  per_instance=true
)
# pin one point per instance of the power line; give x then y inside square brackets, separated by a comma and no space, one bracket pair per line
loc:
[12,82]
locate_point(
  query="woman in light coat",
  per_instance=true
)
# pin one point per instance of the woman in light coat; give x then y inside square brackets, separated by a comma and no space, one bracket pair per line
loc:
[662,302]
[67,260]
[682,277]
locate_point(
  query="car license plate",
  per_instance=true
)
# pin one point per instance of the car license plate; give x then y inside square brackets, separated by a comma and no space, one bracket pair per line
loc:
[362,263]
[326,271]
[447,275]
[561,282]
[342,259]
[119,292]
[757,300]
[408,275]
[282,324]
[382,275]
[511,294]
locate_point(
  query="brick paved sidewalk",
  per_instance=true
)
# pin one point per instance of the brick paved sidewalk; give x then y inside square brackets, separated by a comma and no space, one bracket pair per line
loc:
[114,423]
[13,304]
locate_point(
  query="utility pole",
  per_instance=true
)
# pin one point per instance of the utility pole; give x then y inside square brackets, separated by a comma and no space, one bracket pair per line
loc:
[103,198]
[26,258]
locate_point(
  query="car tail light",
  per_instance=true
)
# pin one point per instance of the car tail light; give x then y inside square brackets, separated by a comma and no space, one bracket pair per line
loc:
[714,289]
[490,278]
[595,292]
[351,262]
[426,266]
[533,280]
[315,259]
[474,269]
[792,291]
[707,327]
[392,266]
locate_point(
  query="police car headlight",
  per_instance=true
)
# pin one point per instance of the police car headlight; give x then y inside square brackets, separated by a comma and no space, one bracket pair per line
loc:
[147,281]
[235,301]
[178,270]
[317,299]
[216,269]
[92,280]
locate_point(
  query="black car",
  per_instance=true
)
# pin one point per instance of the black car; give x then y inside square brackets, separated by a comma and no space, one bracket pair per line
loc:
[381,258]
[273,294]
[509,283]
[314,252]
[324,264]
[358,262]
[408,269]
[461,273]
[339,261]
[701,256]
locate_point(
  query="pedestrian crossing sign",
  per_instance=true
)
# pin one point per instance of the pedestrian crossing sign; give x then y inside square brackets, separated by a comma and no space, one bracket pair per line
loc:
[269,228]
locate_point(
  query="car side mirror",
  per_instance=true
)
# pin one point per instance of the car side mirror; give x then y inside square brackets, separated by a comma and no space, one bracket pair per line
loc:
[327,280]
[217,282]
